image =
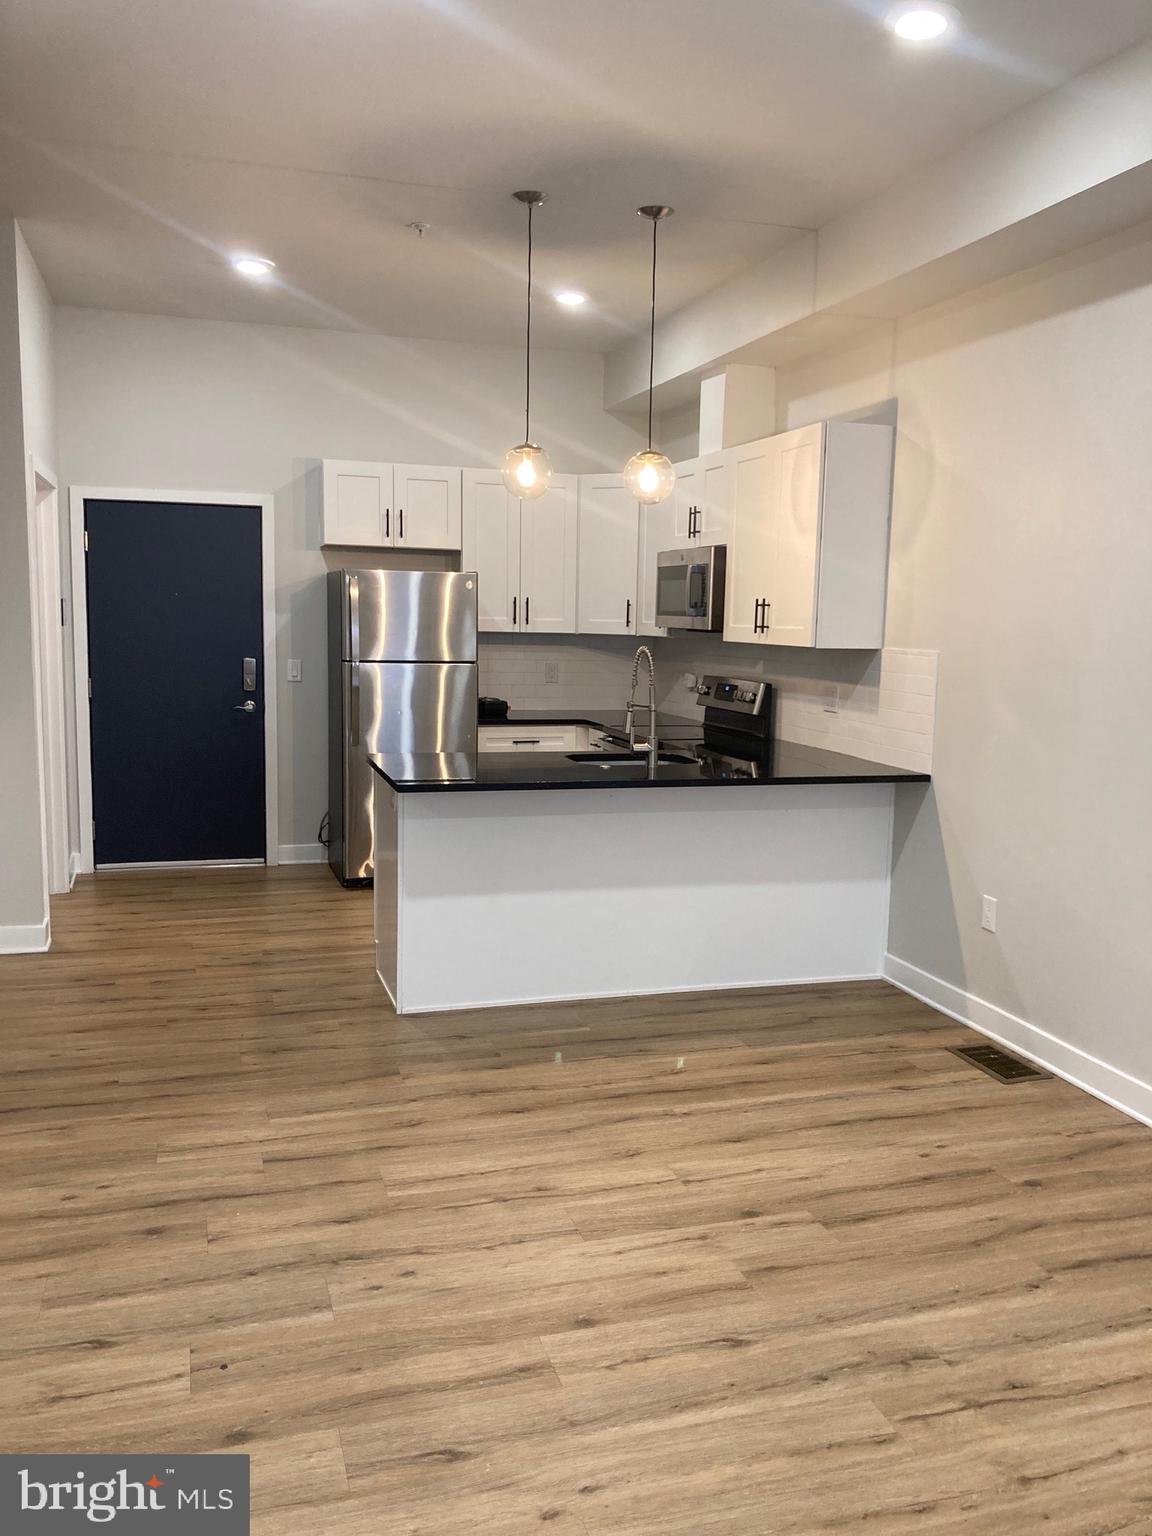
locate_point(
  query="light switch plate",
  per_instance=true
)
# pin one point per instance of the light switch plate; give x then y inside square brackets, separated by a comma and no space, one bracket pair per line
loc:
[293,670]
[551,671]
[988,914]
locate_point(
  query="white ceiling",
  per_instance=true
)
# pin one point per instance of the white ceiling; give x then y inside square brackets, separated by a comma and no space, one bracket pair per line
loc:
[142,140]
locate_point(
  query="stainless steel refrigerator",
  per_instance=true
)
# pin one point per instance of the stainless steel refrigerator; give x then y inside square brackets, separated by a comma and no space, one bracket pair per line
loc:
[401,678]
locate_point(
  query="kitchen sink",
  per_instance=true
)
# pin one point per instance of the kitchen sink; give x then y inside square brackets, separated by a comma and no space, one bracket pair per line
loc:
[632,759]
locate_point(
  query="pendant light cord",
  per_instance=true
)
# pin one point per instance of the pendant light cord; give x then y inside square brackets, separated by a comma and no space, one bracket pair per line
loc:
[528,338]
[652,337]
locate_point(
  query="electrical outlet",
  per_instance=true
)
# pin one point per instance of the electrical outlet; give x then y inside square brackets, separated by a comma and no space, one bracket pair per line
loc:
[832,699]
[551,671]
[293,670]
[988,913]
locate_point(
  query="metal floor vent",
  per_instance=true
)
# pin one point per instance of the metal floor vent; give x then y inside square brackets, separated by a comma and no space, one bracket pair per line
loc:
[998,1064]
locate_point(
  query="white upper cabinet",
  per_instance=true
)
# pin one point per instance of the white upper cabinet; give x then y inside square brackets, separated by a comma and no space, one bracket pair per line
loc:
[685,502]
[427,507]
[524,554]
[385,506]
[491,548]
[609,550]
[713,521]
[657,532]
[789,615]
[356,503]
[702,503]
[754,477]
[808,547]
[549,545]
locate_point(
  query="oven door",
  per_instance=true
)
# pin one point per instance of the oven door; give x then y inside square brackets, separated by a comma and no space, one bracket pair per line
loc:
[690,588]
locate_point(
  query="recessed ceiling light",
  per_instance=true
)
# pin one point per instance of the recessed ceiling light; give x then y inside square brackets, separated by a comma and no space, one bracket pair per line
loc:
[253,266]
[571,298]
[920,23]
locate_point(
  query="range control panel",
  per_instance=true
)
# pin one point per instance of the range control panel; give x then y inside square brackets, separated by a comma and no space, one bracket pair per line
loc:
[740,695]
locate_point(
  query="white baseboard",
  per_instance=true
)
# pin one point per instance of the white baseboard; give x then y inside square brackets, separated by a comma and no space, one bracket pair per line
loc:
[73,867]
[601,997]
[303,853]
[25,938]
[1118,1088]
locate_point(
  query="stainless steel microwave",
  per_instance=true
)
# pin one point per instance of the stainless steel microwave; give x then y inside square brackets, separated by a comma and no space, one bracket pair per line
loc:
[690,587]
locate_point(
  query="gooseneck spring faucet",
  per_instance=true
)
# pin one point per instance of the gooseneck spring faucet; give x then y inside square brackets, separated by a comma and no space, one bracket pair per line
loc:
[652,745]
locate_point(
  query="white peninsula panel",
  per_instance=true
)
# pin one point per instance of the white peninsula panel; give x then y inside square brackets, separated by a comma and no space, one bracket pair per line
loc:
[492,897]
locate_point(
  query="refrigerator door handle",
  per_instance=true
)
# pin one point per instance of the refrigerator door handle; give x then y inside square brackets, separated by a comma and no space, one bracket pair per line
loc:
[354,618]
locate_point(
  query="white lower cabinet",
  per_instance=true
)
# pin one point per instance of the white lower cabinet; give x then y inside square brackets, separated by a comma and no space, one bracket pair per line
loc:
[537,738]
[524,554]
[609,552]
[808,547]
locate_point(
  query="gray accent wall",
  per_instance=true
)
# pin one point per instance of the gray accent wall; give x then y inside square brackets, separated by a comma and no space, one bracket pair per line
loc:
[1022,553]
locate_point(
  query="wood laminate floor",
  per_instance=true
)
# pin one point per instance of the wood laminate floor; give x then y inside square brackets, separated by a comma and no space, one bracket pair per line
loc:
[740,1263]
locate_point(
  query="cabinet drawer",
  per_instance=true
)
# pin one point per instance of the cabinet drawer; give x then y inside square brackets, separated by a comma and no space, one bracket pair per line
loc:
[530,738]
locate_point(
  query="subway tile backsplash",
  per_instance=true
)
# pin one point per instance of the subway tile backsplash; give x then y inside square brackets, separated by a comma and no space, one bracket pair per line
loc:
[590,672]
[879,705]
[885,700]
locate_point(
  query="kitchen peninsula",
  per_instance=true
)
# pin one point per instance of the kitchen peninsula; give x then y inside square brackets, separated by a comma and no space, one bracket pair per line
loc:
[518,877]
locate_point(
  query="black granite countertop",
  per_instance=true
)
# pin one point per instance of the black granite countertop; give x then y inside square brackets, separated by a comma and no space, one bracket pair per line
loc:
[682,766]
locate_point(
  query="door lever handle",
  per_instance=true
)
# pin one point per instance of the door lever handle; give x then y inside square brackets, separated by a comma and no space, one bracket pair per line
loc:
[247,708]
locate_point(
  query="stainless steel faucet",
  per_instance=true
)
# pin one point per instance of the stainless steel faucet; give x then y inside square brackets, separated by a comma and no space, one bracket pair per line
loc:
[652,745]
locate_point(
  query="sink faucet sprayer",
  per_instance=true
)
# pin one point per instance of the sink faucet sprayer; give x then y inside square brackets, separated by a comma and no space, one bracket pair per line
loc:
[652,745]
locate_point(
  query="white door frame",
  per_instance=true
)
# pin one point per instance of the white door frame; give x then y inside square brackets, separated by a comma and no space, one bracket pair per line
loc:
[47,597]
[78,495]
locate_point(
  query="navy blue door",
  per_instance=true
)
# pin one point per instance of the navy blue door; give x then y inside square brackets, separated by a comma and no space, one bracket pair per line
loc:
[174,609]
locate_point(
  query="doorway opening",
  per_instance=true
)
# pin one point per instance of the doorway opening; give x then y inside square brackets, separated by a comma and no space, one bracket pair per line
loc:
[51,618]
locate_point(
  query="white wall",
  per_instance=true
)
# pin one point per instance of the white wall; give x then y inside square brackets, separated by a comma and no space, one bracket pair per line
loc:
[37,359]
[25,426]
[159,403]
[1023,553]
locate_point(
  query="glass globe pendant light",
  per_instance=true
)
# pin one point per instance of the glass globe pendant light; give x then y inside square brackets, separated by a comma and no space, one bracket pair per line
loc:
[527,469]
[650,475]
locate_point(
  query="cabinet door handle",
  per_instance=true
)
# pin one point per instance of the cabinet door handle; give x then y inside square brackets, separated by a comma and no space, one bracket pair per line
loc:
[387,522]
[513,613]
[401,533]
[628,614]
[527,612]
[767,611]
[756,617]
